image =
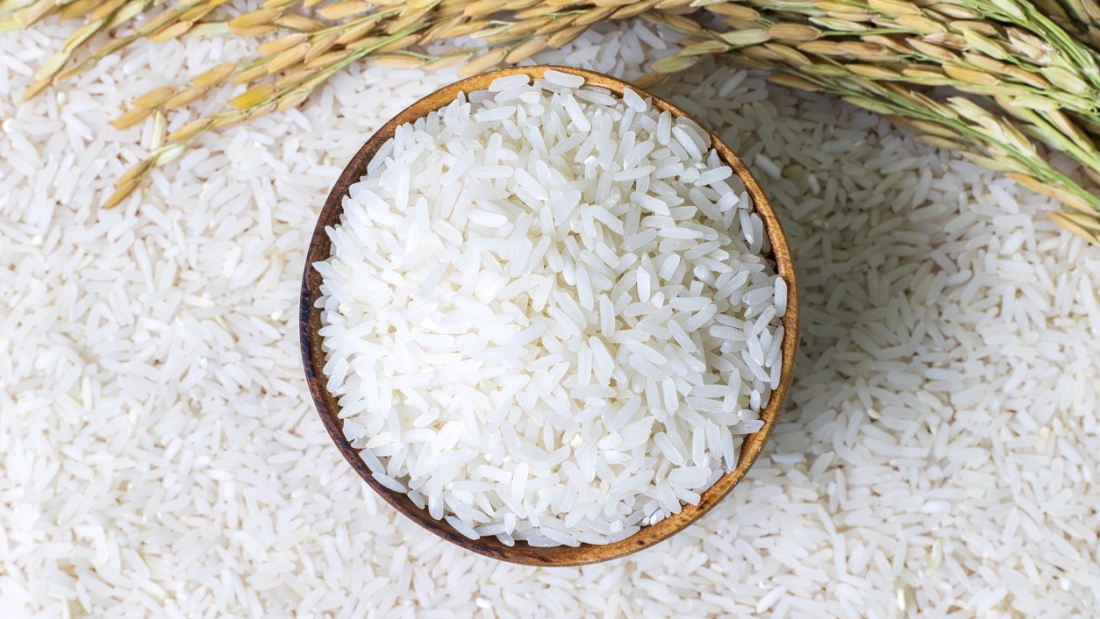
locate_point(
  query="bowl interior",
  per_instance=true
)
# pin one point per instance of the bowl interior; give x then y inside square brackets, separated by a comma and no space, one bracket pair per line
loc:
[313,356]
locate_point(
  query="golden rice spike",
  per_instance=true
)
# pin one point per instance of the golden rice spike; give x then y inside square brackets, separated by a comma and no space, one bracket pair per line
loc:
[131,118]
[252,97]
[214,76]
[122,193]
[250,74]
[282,43]
[189,130]
[135,171]
[184,97]
[155,97]
[483,62]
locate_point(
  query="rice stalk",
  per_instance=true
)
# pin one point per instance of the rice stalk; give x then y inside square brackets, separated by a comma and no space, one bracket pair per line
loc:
[1036,65]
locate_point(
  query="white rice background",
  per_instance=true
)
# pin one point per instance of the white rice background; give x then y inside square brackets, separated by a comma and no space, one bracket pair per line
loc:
[159,455]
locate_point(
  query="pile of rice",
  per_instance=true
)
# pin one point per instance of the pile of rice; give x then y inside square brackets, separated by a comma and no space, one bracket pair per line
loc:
[159,454]
[547,314]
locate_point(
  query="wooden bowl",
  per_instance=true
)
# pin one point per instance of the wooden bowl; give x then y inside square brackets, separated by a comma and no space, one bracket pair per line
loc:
[313,356]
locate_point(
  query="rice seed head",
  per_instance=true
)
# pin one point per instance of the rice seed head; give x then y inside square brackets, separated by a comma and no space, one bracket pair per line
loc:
[527,26]
[121,193]
[789,54]
[794,32]
[940,142]
[1031,46]
[53,65]
[447,61]
[839,25]
[927,76]
[1010,7]
[99,10]
[1052,191]
[259,17]
[981,43]
[792,81]
[970,76]
[251,74]
[355,33]
[1068,127]
[160,130]
[130,10]
[746,37]
[868,104]
[705,48]
[214,76]
[526,50]
[196,13]
[921,24]
[189,130]
[630,10]
[253,31]
[892,43]
[731,9]
[674,64]
[537,11]
[287,58]
[37,11]
[184,97]
[397,61]
[208,30]
[252,97]
[155,97]
[894,7]
[131,118]
[948,39]
[954,11]
[263,110]
[170,32]
[328,59]
[364,42]
[465,29]
[1073,227]
[874,72]
[294,78]
[681,23]
[321,45]
[401,43]
[759,52]
[932,50]
[1065,80]
[987,162]
[483,62]
[340,10]
[36,89]
[481,8]
[650,80]
[594,15]
[292,99]
[133,172]
[1034,102]
[1087,221]
[300,23]
[282,43]
[566,36]
[821,48]
[229,120]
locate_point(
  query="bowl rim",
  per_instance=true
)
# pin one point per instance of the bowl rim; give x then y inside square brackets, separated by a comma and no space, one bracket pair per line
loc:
[313,355]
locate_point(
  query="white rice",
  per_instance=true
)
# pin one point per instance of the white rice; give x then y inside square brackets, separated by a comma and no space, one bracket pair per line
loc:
[159,455]
[524,362]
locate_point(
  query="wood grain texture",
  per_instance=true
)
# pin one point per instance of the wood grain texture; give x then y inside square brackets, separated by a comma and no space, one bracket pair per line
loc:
[313,355]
